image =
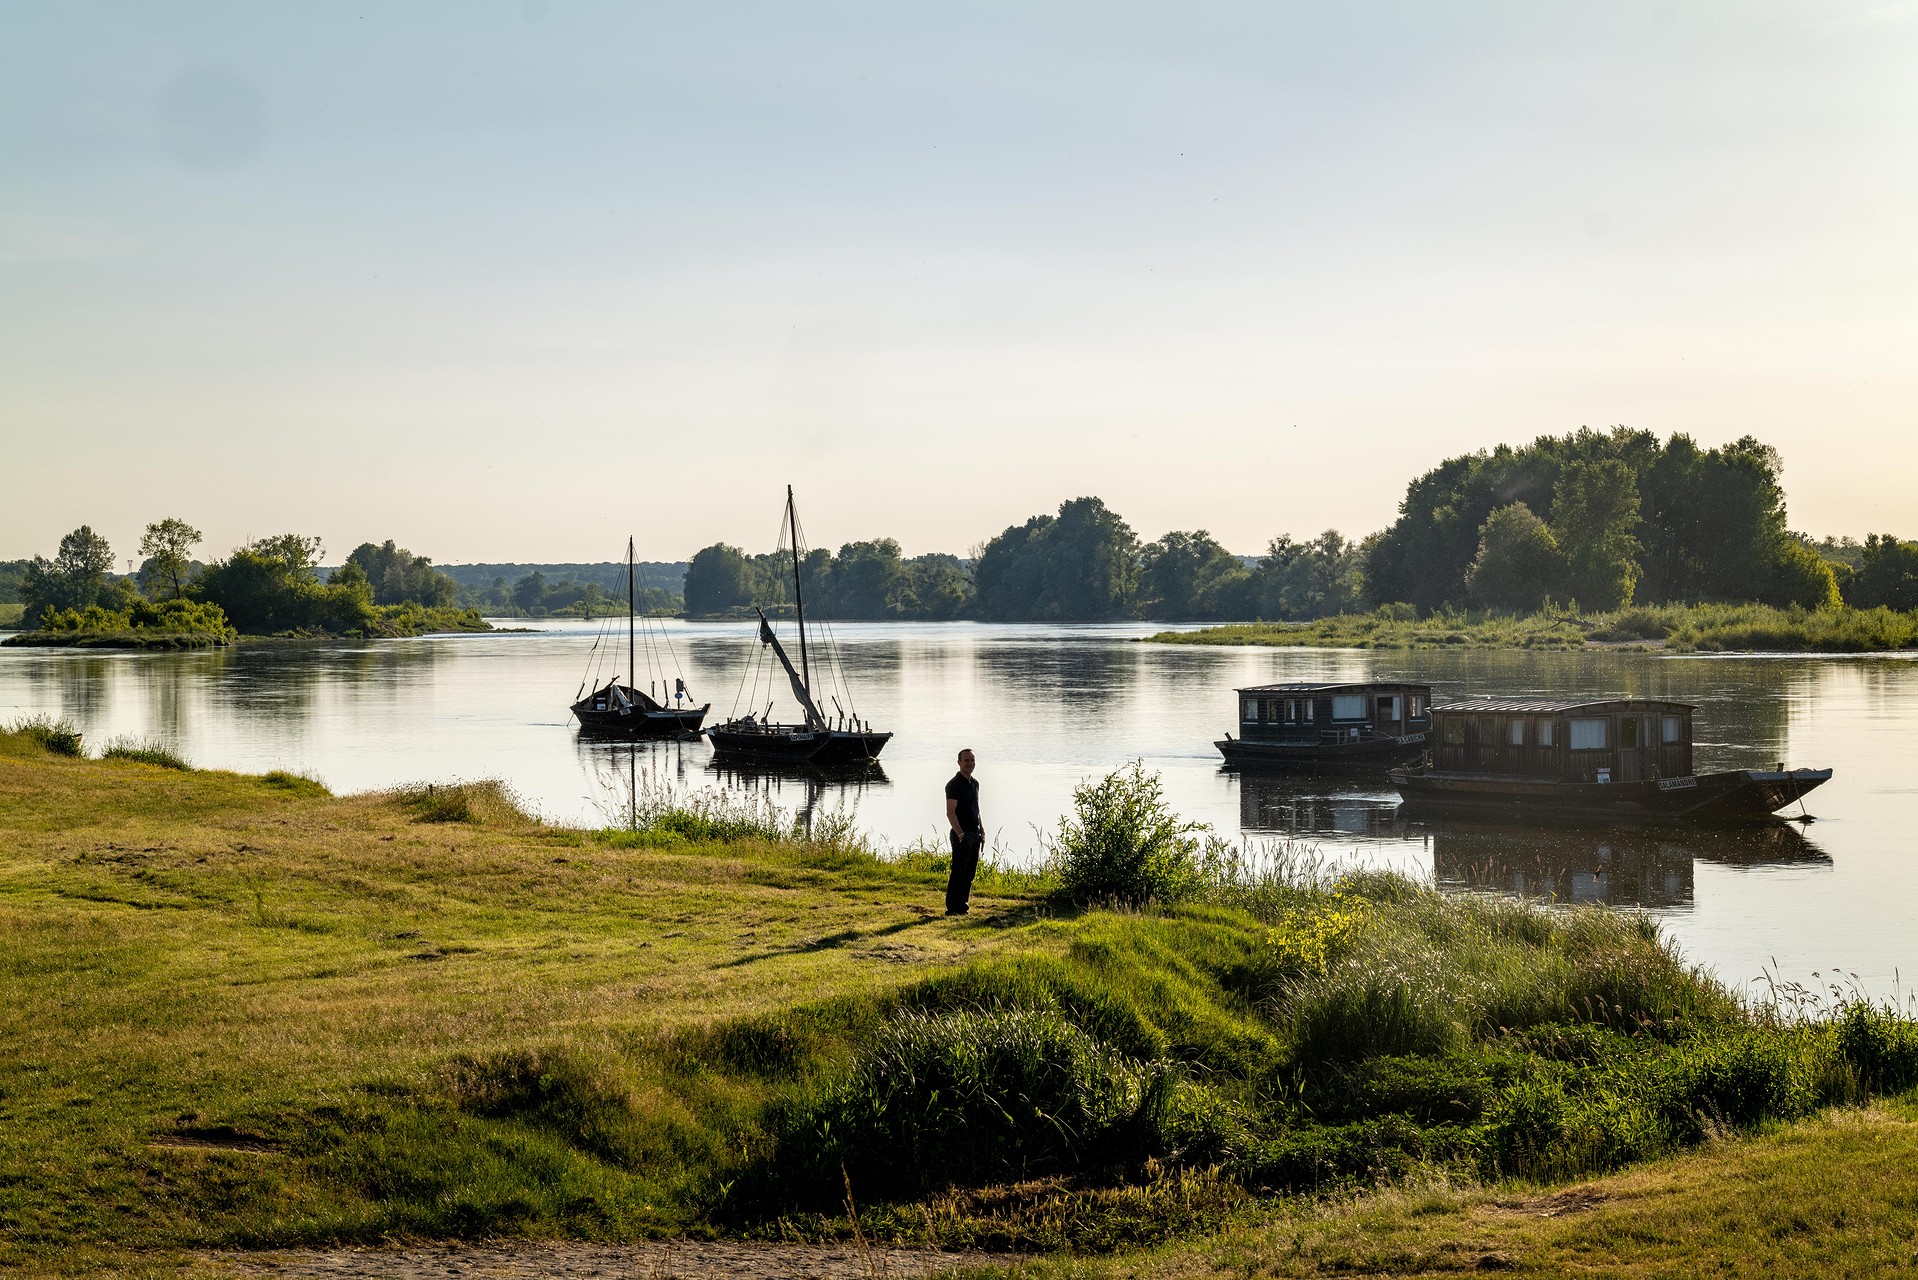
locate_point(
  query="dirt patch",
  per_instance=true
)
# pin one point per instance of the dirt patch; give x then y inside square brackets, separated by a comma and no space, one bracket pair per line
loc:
[663,1260]
[1571,1200]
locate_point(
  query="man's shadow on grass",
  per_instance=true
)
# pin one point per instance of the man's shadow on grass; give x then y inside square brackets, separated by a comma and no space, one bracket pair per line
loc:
[1011,917]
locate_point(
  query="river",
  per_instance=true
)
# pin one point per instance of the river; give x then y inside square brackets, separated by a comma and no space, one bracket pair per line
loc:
[1047,707]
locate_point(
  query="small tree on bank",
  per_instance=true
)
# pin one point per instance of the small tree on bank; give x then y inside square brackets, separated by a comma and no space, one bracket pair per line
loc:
[168,547]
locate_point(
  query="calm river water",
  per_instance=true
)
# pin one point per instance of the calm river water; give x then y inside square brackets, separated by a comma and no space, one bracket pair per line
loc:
[1046,707]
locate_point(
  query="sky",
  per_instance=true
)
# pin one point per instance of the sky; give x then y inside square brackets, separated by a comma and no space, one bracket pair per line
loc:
[509,280]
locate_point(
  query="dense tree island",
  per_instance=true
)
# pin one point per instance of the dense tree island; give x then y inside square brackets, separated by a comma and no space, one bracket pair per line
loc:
[272,587]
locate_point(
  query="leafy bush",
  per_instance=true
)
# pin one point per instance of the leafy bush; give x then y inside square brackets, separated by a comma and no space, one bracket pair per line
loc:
[144,752]
[1123,844]
[61,737]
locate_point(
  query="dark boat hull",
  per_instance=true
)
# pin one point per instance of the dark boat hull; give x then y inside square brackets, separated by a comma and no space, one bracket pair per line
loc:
[1739,795]
[639,717]
[1322,757]
[796,745]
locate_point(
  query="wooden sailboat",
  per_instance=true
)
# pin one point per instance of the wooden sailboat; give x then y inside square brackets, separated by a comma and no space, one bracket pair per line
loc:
[626,708]
[819,741]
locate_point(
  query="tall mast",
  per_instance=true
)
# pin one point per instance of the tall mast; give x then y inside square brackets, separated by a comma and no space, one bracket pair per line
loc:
[631,677]
[799,600]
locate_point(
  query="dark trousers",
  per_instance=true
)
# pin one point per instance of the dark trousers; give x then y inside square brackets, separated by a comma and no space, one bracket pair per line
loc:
[965,865]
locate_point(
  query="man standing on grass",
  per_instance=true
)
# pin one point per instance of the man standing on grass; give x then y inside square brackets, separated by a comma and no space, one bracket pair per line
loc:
[968,834]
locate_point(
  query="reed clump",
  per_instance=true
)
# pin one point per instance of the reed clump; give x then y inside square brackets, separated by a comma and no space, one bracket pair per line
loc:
[145,751]
[487,801]
[59,737]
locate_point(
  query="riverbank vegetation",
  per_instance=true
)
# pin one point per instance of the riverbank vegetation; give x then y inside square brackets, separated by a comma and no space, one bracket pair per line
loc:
[1581,525]
[270,587]
[1708,628]
[239,1012]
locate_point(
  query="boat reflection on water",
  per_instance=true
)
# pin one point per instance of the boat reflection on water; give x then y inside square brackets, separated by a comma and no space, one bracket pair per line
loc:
[1307,805]
[821,800]
[1619,866]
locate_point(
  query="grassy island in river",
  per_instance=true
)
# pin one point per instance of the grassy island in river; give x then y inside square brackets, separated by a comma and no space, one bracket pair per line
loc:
[239,1012]
[1704,628]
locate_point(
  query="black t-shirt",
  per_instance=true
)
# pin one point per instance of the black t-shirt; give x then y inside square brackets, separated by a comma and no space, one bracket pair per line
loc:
[966,791]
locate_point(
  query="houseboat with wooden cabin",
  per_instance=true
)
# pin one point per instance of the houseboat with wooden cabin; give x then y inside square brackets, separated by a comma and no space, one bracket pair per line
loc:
[1616,759]
[1307,726]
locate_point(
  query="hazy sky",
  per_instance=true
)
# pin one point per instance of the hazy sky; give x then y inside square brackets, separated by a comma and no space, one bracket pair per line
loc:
[506,281]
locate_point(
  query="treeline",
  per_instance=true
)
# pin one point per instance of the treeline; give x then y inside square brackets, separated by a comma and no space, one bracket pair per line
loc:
[1596,520]
[272,586]
[1603,519]
[532,595]
[1083,564]
[863,580]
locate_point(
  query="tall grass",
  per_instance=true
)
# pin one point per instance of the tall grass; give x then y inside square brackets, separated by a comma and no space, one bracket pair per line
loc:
[59,737]
[145,751]
[487,801]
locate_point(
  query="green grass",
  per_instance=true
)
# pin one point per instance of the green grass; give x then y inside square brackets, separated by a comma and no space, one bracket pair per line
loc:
[11,614]
[1709,628]
[238,1012]
[141,751]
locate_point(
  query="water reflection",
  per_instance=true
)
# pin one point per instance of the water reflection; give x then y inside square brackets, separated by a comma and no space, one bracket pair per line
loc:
[1619,866]
[812,796]
[1047,708]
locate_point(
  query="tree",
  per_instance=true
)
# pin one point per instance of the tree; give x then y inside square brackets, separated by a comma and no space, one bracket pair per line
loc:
[76,577]
[1887,574]
[398,576]
[1181,575]
[1518,563]
[865,580]
[1595,518]
[529,593]
[718,580]
[269,587]
[1297,581]
[168,547]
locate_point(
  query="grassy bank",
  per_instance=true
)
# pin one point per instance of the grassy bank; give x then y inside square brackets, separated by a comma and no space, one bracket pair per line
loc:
[389,622]
[1706,628]
[238,1012]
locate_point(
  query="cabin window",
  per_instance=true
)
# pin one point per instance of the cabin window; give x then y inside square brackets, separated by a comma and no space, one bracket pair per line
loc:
[1544,733]
[1588,735]
[1628,731]
[1518,733]
[1412,706]
[1454,732]
[1672,730]
[1348,706]
[1251,710]
[1311,710]
[1487,731]
[1388,708]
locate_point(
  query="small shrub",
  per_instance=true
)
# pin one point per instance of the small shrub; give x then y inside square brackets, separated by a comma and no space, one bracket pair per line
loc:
[61,737]
[145,752]
[1123,844]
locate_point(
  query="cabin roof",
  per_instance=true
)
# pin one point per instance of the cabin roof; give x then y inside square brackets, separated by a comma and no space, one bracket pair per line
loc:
[1306,686]
[1550,706]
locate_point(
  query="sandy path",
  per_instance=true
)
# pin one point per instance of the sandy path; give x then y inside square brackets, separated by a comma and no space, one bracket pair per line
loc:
[676,1260]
